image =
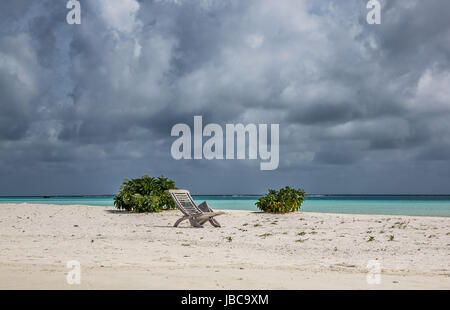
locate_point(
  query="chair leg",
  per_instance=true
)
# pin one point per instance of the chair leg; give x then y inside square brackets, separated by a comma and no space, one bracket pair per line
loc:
[191,220]
[195,223]
[205,208]
[201,222]
[214,222]
[210,220]
[180,220]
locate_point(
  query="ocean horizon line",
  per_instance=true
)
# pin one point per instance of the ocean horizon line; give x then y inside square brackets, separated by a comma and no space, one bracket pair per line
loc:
[233,195]
[425,205]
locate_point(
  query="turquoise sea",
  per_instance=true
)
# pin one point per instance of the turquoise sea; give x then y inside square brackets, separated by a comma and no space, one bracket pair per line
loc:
[351,204]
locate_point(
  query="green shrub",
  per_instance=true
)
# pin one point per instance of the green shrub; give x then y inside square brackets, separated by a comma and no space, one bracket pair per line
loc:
[285,200]
[145,194]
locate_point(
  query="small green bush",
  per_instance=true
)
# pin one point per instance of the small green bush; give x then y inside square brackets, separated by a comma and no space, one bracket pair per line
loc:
[145,194]
[285,200]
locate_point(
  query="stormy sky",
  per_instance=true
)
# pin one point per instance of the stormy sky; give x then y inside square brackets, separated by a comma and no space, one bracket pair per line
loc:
[362,108]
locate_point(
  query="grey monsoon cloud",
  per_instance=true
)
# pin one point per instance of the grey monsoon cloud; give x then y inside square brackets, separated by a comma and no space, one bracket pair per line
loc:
[362,108]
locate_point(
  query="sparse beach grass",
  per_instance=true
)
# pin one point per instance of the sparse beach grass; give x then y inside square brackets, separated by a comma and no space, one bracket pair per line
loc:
[303,250]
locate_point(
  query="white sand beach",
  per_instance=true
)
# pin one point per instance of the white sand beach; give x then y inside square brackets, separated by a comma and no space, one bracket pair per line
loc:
[119,250]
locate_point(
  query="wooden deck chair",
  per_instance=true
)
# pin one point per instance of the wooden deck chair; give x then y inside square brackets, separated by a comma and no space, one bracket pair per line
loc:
[197,215]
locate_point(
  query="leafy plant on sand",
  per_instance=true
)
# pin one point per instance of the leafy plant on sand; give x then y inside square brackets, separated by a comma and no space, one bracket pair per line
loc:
[145,194]
[285,200]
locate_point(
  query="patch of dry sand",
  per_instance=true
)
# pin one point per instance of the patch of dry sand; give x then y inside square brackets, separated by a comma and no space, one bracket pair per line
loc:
[119,250]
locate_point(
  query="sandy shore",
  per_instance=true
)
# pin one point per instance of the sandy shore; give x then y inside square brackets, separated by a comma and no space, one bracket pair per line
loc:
[118,250]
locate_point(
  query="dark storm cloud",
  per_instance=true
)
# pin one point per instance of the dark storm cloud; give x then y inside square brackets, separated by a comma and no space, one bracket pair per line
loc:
[409,33]
[340,157]
[95,102]
[438,152]
[14,116]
